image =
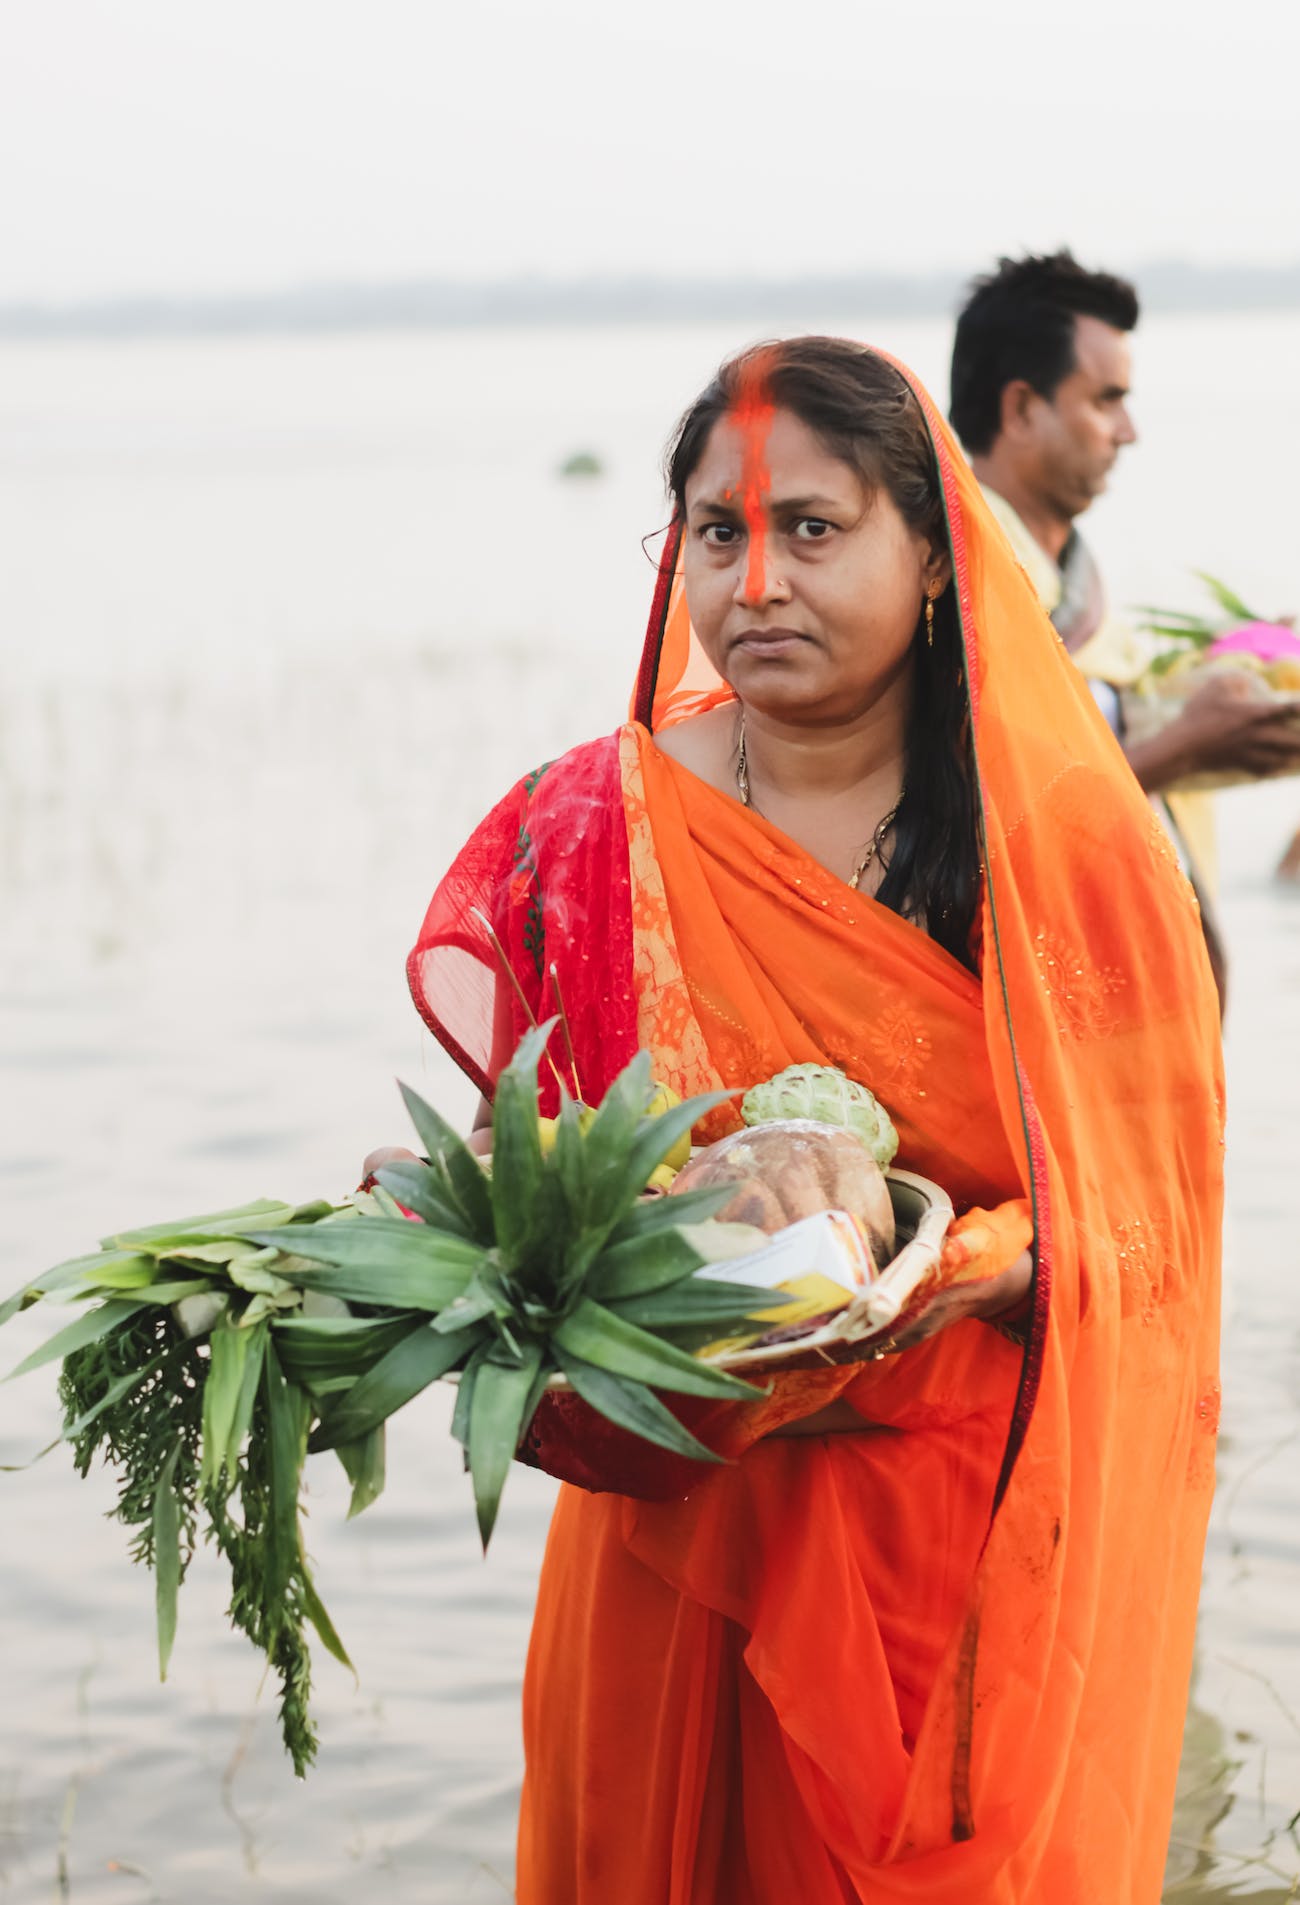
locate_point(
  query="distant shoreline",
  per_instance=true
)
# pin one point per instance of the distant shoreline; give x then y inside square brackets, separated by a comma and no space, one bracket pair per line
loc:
[439,304]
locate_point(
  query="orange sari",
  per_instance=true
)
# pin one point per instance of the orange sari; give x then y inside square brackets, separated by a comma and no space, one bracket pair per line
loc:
[944,1659]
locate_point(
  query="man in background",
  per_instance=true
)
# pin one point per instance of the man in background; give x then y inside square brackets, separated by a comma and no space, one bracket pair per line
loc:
[1040,387]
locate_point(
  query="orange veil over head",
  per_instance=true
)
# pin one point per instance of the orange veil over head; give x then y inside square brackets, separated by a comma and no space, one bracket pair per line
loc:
[1050,1749]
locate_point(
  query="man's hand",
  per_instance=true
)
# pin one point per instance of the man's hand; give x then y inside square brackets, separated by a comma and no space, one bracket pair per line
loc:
[1230,725]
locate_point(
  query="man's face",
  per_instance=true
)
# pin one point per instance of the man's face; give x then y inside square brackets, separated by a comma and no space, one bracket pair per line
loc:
[1073,437]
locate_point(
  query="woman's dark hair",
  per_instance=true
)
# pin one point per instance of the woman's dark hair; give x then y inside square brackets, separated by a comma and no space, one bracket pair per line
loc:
[863,411]
[1018,322]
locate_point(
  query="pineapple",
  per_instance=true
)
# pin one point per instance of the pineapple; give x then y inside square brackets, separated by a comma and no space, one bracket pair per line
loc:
[551,1265]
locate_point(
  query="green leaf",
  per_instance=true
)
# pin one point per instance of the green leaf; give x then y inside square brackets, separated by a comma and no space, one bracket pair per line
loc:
[496,1426]
[315,1208]
[465,1394]
[1224,596]
[123,1270]
[314,1608]
[479,1301]
[364,1464]
[166,1557]
[261,1213]
[656,1136]
[568,1160]
[258,1337]
[62,1277]
[163,1295]
[466,1181]
[89,1327]
[408,1368]
[649,1262]
[597,1336]
[623,1144]
[652,1214]
[286,1446]
[517,1166]
[124,1386]
[631,1406]
[228,1349]
[382,1260]
[608,1140]
[418,1187]
[1174,621]
[315,1349]
[697,1300]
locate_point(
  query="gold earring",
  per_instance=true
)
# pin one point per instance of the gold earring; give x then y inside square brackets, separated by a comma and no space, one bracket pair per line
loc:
[929,620]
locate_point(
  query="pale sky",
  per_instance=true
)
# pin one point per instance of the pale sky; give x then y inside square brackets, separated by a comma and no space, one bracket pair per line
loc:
[182,146]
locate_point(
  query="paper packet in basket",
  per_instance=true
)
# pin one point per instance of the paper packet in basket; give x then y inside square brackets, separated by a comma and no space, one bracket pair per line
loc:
[821,1261]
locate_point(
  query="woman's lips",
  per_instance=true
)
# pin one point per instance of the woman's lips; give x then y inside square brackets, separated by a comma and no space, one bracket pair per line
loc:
[768,643]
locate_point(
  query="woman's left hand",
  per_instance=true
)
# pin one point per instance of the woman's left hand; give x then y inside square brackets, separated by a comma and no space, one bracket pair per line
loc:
[987,1299]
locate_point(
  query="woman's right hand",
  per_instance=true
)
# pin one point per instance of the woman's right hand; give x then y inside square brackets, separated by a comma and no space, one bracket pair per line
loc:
[382,1155]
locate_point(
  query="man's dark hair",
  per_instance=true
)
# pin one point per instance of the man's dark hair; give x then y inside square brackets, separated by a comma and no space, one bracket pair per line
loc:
[1018,322]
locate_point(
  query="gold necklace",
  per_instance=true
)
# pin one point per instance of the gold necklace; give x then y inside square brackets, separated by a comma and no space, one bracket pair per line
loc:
[877,839]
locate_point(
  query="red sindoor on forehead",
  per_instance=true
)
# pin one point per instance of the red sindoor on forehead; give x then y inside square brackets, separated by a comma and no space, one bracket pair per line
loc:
[751,413]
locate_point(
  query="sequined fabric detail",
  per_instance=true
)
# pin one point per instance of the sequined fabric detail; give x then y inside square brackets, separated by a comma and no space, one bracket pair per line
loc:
[1146,1271]
[1165,855]
[897,1048]
[1081,993]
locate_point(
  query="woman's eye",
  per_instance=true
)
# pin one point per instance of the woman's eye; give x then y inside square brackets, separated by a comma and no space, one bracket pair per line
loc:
[812,529]
[719,535]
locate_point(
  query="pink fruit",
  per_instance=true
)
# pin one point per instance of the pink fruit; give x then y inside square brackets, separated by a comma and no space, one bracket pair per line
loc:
[1269,641]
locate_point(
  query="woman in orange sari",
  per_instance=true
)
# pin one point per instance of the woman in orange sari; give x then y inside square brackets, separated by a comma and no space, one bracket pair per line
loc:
[927,1635]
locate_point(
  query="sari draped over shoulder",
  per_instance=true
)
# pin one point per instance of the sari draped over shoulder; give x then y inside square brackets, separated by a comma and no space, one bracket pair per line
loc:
[944,1658]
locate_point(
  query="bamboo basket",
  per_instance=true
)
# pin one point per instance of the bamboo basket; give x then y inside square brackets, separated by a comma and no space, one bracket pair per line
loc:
[922,1214]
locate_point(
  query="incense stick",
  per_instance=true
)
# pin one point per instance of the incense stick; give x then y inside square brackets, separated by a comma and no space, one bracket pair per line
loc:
[511,975]
[568,1036]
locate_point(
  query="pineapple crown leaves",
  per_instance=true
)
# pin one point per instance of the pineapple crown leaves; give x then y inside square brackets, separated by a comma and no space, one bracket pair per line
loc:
[577,1275]
[1196,631]
[455,1177]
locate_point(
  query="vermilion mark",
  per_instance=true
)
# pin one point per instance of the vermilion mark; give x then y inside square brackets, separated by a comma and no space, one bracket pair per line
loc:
[752,414]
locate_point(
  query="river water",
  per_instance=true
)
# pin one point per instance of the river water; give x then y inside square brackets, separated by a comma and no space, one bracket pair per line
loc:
[280,618]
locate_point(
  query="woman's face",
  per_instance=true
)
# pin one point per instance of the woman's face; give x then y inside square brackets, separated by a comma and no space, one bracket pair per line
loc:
[806,594]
